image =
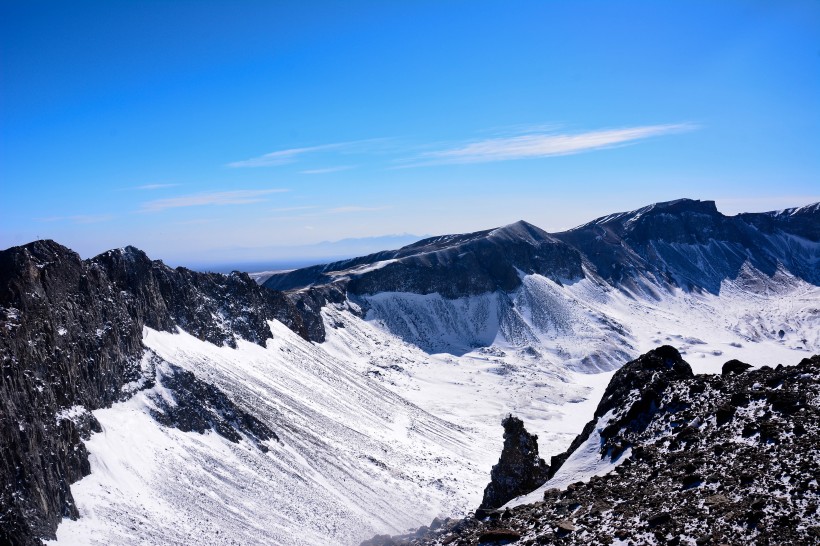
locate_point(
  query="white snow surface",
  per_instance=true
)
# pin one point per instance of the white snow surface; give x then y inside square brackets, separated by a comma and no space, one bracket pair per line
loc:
[589,327]
[395,419]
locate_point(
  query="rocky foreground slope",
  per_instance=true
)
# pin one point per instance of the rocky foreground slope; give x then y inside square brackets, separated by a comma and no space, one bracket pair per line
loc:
[701,459]
[72,338]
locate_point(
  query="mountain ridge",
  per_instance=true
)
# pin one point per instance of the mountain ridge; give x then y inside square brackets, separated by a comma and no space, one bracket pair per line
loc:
[73,336]
[628,249]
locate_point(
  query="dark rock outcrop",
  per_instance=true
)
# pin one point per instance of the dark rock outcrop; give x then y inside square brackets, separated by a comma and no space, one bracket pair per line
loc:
[690,478]
[519,469]
[198,406]
[734,366]
[72,338]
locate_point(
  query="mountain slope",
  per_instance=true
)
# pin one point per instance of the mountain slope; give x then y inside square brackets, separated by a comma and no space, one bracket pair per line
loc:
[689,244]
[204,404]
[577,295]
[72,338]
[690,459]
[452,265]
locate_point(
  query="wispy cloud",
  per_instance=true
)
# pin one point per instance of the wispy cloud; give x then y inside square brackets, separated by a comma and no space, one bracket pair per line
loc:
[78,218]
[235,197]
[282,157]
[328,170]
[147,187]
[535,145]
[291,155]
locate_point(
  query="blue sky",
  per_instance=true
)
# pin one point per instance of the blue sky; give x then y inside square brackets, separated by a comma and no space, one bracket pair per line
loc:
[214,131]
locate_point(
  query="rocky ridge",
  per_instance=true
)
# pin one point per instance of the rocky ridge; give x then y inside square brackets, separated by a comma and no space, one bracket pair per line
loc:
[659,246]
[451,265]
[713,459]
[690,244]
[72,342]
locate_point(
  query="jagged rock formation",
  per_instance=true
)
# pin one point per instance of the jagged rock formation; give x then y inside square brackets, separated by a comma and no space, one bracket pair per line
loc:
[714,459]
[72,337]
[519,469]
[640,382]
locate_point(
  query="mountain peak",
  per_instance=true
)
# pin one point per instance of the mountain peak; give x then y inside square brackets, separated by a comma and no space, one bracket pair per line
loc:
[686,205]
[521,231]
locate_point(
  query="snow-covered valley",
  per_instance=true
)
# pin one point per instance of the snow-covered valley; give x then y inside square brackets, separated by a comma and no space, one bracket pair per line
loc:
[377,435]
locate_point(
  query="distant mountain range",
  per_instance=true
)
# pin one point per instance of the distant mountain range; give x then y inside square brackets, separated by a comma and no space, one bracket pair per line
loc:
[685,243]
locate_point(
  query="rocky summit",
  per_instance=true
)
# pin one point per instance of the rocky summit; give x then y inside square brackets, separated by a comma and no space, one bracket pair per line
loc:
[702,459]
[71,341]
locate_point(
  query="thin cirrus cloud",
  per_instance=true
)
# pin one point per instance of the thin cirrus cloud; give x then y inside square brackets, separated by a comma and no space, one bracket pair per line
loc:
[283,157]
[536,145]
[353,208]
[235,197]
[291,155]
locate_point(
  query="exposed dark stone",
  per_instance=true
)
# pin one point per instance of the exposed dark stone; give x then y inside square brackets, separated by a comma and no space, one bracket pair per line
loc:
[659,519]
[734,366]
[724,413]
[519,469]
[646,244]
[499,536]
[72,337]
[199,407]
[714,488]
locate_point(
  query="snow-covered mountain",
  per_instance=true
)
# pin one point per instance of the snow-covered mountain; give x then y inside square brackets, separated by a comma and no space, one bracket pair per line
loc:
[143,404]
[589,297]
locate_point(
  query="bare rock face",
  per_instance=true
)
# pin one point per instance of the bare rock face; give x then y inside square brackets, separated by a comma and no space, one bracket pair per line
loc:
[519,470]
[199,407]
[669,242]
[72,338]
[714,459]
